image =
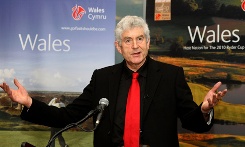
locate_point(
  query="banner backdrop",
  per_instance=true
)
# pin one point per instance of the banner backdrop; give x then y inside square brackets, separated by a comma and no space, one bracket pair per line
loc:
[52,48]
[55,45]
[207,39]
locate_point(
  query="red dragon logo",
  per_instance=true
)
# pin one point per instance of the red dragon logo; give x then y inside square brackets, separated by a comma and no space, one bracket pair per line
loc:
[78,12]
[158,16]
[243,5]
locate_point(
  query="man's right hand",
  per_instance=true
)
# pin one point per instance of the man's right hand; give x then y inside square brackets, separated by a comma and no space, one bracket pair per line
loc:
[20,95]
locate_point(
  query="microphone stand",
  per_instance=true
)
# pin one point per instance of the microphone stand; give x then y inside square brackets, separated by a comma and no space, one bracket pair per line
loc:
[90,114]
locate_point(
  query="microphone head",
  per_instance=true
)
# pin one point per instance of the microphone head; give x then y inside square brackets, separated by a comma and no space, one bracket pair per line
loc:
[104,101]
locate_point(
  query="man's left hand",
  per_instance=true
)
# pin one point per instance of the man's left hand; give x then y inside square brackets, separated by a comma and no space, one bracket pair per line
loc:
[212,98]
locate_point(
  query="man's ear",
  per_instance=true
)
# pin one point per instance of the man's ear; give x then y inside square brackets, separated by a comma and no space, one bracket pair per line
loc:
[118,47]
[148,44]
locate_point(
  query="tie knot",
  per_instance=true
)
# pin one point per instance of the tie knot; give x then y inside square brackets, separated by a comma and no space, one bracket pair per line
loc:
[135,75]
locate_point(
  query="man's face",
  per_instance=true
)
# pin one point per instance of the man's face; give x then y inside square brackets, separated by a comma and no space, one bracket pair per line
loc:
[134,47]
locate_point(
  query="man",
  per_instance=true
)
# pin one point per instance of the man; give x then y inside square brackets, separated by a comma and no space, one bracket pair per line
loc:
[57,103]
[164,96]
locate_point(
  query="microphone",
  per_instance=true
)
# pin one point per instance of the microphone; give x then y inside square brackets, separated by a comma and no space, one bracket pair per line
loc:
[99,110]
[102,104]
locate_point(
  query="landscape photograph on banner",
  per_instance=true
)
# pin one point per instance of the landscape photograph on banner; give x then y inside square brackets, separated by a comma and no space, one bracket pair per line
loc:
[52,49]
[207,39]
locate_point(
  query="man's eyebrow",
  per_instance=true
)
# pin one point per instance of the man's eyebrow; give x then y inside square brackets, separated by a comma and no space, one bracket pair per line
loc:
[131,37]
[127,37]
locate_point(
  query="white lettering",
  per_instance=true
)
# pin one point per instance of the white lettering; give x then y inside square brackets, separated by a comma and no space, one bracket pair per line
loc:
[45,44]
[93,17]
[28,38]
[95,10]
[196,31]
[213,35]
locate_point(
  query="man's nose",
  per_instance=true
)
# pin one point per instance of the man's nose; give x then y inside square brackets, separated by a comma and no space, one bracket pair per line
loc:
[135,44]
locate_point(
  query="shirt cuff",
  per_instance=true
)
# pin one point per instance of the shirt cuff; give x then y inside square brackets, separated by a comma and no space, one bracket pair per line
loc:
[211,114]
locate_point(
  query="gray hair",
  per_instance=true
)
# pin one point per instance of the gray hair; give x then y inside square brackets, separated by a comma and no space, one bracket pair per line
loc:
[129,22]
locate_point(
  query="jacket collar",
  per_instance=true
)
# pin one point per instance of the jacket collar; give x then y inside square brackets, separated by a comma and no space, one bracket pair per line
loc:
[153,78]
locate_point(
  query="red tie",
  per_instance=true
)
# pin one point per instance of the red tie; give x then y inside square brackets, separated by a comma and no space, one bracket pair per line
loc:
[132,116]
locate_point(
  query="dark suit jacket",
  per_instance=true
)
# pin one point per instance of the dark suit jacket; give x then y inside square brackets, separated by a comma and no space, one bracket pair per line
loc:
[169,97]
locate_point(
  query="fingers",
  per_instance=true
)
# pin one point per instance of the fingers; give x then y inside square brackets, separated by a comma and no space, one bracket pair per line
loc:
[4,87]
[218,97]
[210,104]
[17,83]
[213,98]
[224,92]
[216,86]
[7,89]
[219,94]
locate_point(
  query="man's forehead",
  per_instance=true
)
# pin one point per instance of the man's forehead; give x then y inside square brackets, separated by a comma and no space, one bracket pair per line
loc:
[136,31]
[130,34]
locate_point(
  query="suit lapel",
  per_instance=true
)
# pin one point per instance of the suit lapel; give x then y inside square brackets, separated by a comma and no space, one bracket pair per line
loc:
[153,78]
[113,88]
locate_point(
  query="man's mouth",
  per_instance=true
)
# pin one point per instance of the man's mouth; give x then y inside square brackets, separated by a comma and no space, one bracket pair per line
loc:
[137,53]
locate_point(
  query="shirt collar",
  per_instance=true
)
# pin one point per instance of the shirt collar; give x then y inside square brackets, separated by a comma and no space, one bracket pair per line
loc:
[142,70]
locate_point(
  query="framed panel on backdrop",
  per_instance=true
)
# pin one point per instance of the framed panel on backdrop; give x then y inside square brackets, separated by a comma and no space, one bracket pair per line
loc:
[206,38]
[52,48]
